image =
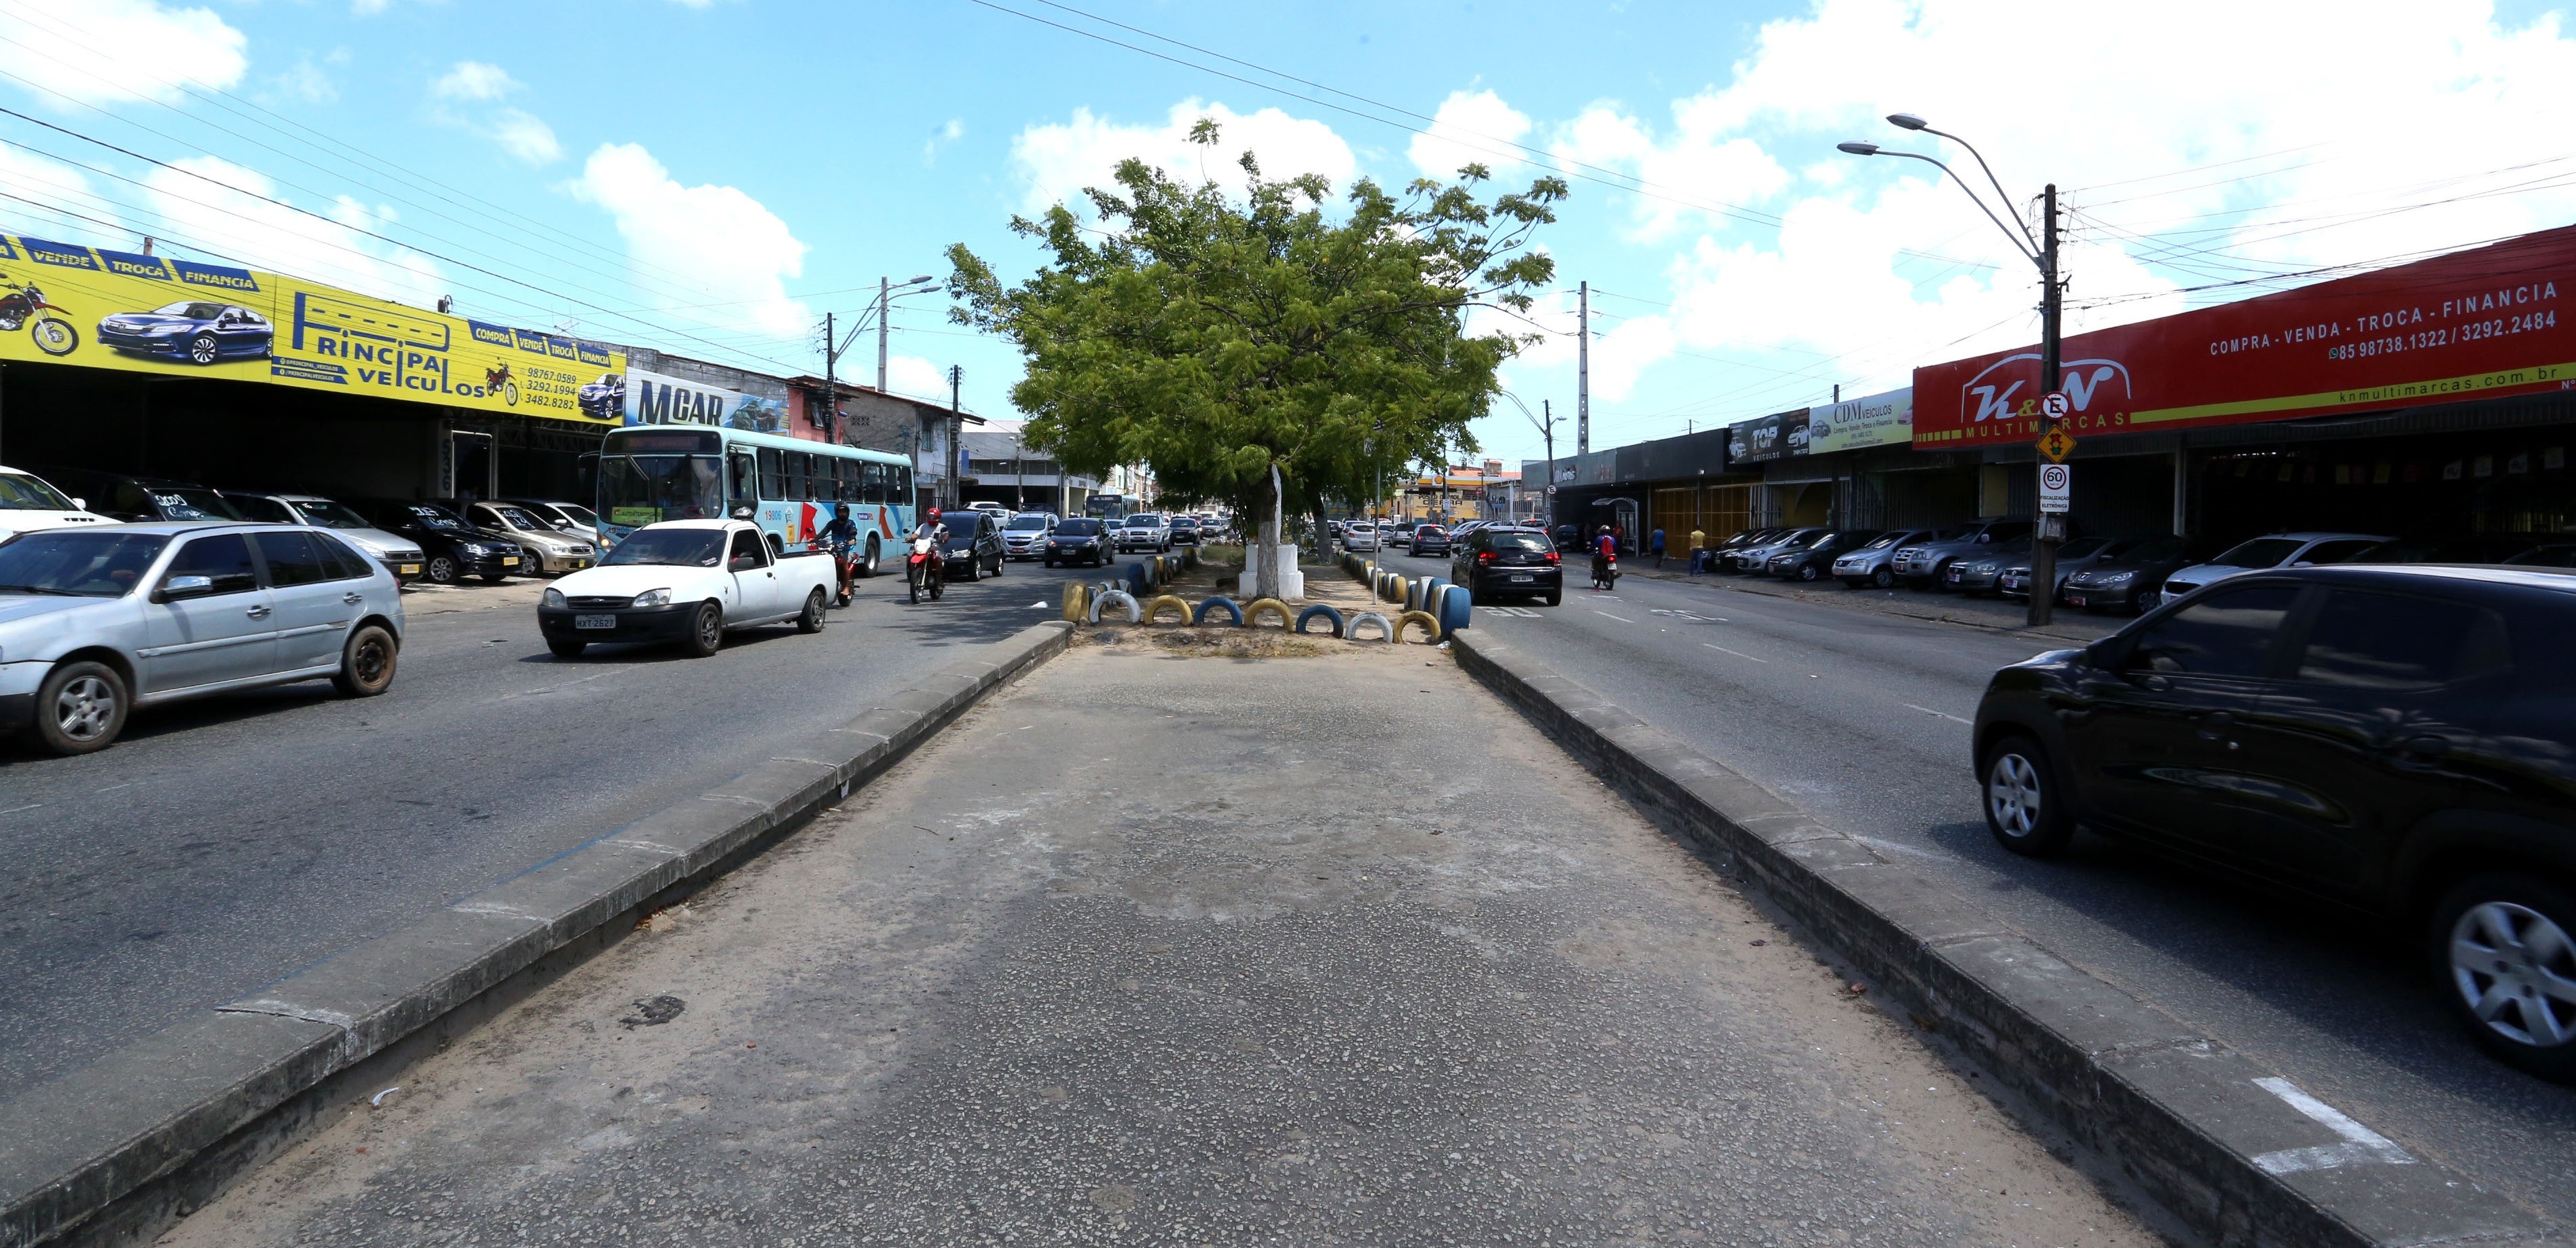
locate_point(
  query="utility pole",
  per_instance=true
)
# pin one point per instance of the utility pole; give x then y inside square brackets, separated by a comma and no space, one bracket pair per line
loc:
[2052,528]
[956,422]
[1582,372]
[1019,473]
[831,389]
[885,313]
[1547,430]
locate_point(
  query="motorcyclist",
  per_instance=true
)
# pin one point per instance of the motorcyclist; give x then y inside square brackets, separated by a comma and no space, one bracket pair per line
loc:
[841,537]
[936,533]
[1605,547]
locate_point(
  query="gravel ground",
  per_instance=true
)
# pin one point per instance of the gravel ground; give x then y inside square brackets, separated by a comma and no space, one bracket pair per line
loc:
[1166,946]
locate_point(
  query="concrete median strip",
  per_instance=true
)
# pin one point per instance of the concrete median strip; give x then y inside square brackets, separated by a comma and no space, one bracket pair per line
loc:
[149,1131]
[2230,1151]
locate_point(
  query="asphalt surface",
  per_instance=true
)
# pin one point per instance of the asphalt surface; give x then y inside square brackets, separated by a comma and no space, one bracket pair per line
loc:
[221,845]
[1863,718]
[1151,949]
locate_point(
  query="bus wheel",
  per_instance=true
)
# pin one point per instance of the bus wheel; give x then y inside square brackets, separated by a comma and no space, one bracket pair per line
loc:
[868,566]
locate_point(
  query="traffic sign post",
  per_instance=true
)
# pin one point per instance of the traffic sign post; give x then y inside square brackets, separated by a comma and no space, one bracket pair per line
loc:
[2056,407]
[2056,444]
[2056,489]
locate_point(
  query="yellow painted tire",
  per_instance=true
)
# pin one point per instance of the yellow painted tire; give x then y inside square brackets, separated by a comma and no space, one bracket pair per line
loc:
[1252,614]
[1429,625]
[1077,600]
[1174,601]
[1395,589]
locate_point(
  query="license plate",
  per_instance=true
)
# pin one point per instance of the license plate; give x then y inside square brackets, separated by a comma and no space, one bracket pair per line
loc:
[580,563]
[509,561]
[411,569]
[2075,600]
[594,621]
[1521,579]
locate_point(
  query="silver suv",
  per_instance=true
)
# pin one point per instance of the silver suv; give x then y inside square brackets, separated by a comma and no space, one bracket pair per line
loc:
[1923,563]
[401,556]
[96,622]
[2280,550]
[1873,565]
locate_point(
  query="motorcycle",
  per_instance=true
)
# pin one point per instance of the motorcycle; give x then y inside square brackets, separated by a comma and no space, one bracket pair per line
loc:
[22,303]
[923,569]
[1605,571]
[843,567]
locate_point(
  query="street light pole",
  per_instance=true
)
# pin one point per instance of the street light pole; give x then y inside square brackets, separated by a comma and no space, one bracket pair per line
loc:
[2042,253]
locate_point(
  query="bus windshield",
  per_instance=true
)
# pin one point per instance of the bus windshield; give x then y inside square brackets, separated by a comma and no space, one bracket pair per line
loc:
[637,490]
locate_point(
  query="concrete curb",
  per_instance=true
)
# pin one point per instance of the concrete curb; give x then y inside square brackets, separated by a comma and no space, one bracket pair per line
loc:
[2177,1113]
[128,1144]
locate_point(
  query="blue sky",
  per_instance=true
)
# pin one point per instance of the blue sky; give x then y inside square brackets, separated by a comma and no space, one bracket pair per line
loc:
[711,178]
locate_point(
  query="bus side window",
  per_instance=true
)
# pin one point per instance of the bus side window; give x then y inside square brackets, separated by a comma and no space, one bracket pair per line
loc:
[871,482]
[797,465]
[902,485]
[850,480]
[773,477]
[744,476]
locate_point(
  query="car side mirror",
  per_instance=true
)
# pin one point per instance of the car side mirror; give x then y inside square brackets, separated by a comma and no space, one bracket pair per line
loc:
[80,504]
[742,513]
[745,563]
[178,587]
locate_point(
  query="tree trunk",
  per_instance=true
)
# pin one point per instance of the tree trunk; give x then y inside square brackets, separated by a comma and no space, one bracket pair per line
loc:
[1264,561]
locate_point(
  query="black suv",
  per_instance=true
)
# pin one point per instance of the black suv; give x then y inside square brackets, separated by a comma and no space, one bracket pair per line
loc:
[451,548]
[2397,739]
[139,499]
[1495,562]
[974,550]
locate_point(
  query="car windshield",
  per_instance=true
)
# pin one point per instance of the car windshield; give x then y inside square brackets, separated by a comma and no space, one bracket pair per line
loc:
[20,492]
[2080,548]
[84,564]
[1886,540]
[681,548]
[2160,550]
[192,311]
[580,515]
[1078,528]
[188,502]
[434,517]
[331,515]
[1519,541]
[1140,522]
[644,489]
[2017,546]
[2262,552]
[518,518]
[1028,524]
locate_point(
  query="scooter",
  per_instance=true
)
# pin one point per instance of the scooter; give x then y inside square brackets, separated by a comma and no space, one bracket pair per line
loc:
[24,302]
[842,566]
[923,569]
[1605,571]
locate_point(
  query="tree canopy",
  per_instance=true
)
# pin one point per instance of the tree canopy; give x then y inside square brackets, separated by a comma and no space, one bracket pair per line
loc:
[1211,338]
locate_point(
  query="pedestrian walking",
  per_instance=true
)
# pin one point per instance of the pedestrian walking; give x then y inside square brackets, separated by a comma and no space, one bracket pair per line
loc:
[1657,544]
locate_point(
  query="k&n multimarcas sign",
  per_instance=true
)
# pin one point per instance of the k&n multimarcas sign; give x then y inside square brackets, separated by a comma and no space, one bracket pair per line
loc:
[2474,324]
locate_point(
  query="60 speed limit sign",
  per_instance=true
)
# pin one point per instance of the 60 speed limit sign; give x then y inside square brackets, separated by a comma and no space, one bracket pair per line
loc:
[2056,488]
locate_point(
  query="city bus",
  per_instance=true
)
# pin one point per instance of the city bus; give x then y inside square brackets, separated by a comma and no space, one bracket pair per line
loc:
[1107,508]
[787,486]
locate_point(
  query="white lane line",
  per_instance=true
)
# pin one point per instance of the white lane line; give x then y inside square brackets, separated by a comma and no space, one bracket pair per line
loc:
[1737,653]
[2361,1144]
[1929,711]
[15,809]
[1621,618]
[567,684]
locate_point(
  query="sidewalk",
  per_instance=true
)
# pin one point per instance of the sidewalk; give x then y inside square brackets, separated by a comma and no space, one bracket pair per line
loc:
[1159,948]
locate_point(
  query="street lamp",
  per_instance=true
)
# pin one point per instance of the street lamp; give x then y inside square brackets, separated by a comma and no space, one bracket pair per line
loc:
[1546,430]
[835,345]
[2041,252]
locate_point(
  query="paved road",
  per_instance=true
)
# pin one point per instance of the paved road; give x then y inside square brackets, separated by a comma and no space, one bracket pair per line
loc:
[1864,719]
[1358,971]
[223,844]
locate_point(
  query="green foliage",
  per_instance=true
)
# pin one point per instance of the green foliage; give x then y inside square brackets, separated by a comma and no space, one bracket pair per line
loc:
[1209,337]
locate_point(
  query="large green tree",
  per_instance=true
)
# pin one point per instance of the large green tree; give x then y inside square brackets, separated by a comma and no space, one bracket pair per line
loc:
[1227,340]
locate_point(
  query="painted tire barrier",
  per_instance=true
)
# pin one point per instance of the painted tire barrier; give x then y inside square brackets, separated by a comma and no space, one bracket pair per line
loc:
[1455,611]
[1430,626]
[1137,582]
[1174,601]
[1077,597]
[1125,601]
[1268,606]
[1385,627]
[1214,604]
[1319,609]
[1395,587]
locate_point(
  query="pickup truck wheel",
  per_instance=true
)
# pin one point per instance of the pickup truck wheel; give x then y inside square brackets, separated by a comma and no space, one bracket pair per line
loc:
[80,707]
[366,663]
[811,621]
[706,631]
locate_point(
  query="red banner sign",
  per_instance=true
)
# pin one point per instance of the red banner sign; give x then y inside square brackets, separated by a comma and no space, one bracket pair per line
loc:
[2470,325]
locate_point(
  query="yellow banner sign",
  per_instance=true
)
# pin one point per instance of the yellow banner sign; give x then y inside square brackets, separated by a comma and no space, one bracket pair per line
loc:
[67,303]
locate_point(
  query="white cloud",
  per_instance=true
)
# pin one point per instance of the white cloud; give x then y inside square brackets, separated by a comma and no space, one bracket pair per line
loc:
[57,184]
[1058,160]
[1470,129]
[915,376]
[522,135]
[474,80]
[305,81]
[233,215]
[714,241]
[2309,135]
[158,52]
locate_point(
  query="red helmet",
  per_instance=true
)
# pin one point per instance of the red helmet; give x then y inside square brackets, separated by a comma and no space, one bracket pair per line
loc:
[934,513]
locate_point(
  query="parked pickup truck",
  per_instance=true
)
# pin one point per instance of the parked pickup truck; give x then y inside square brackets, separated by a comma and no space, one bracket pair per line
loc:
[686,581]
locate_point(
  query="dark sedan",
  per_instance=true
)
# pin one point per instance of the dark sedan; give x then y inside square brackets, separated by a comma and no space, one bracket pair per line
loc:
[2397,739]
[194,330]
[1983,573]
[974,550]
[1080,541]
[452,549]
[1185,531]
[1499,563]
[1429,540]
[2129,581]
[1815,559]
[122,497]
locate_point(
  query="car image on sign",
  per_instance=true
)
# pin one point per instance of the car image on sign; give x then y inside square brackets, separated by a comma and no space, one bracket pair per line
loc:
[196,330]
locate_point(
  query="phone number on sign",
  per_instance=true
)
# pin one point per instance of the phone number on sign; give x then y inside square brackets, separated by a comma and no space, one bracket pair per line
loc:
[2474,331]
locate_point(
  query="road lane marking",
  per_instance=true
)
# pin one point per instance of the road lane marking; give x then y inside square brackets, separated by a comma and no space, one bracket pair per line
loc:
[1929,711]
[15,809]
[1621,618]
[1737,653]
[1038,606]
[2361,1144]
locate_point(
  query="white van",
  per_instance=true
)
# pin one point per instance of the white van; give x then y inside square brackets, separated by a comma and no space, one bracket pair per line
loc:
[28,503]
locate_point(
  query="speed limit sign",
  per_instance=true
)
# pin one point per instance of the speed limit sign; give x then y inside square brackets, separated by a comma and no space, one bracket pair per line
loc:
[2056,488]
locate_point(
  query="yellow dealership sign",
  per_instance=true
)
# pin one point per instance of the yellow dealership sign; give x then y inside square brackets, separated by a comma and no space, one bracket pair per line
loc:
[67,303]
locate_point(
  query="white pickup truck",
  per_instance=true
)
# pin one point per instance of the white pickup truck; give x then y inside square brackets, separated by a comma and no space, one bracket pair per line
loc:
[686,581]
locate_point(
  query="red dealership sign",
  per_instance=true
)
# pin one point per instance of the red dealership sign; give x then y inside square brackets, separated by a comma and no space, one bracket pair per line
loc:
[2473,324]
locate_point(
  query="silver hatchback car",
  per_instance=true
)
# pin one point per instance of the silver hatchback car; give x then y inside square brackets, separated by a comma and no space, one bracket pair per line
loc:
[97,622]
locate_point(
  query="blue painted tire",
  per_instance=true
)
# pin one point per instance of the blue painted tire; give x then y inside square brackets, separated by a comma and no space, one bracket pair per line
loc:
[1320,609]
[1214,604]
[1456,609]
[1137,580]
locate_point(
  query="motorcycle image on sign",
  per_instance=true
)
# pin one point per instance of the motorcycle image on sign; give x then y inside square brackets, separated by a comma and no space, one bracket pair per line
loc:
[23,302]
